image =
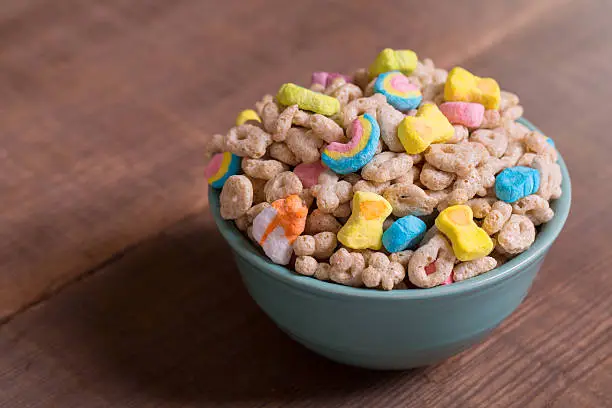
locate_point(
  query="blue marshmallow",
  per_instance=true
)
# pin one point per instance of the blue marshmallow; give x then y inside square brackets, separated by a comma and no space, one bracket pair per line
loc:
[404,233]
[514,183]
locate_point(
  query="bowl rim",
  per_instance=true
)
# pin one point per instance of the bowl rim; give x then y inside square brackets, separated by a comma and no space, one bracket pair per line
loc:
[545,238]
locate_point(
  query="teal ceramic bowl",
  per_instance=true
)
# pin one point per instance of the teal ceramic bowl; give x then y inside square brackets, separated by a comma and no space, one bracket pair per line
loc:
[390,330]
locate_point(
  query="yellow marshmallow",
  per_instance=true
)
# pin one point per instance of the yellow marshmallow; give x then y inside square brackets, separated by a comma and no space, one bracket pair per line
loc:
[246,115]
[404,61]
[469,240]
[292,94]
[428,126]
[463,86]
[364,229]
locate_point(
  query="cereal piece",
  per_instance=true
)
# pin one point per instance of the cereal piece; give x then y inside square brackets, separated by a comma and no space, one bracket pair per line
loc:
[491,119]
[304,145]
[494,221]
[342,211]
[320,246]
[221,167]
[371,186]
[463,113]
[326,129]
[480,206]
[282,185]
[535,208]
[259,194]
[405,233]
[330,192]
[216,144]
[508,100]
[460,159]
[291,94]
[361,106]
[539,144]
[284,122]
[318,221]
[381,271]
[469,241]
[307,197]
[346,267]
[247,115]
[550,177]
[512,113]
[412,176]
[463,86]
[255,210]
[248,141]
[404,61]
[516,235]
[495,140]
[387,223]
[513,153]
[469,269]
[259,105]
[526,159]
[242,223]
[346,93]
[408,199]
[432,263]
[516,131]
[351,177]
[347,158]
[309,173]
[401,257]
[277,227]
[429,126]
[306,265]
[389,118]
[236,197]
[269,115]
[281,152]
[323,271]
[263,169]
[399,91]
[364,227]
[361,78]
[515,183]
[461,134]
[386,166]
[435,179]
[326,78]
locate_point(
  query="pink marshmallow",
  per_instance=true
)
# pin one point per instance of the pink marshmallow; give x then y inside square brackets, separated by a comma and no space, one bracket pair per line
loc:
[463,113]
[326,78]
[308,173]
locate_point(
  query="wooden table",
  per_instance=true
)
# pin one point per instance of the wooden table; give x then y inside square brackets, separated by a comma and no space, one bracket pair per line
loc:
[115,288]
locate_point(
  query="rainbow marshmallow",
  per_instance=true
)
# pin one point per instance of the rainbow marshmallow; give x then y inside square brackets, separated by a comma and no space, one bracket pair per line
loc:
[221,167]
[350,157]
[399,91]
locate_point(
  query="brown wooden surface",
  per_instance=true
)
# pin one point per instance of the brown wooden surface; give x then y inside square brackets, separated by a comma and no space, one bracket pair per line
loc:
[103,116]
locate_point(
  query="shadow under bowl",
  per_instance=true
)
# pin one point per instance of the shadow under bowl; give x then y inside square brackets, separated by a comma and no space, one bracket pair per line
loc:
[399,329]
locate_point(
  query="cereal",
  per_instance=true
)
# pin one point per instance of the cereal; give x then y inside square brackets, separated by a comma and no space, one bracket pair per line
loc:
[352,156]
[346,267]
[404,233]
[516,235]
[381,272]
[462,86]
[435,179]
[291,94]
[282,185]
[331,192]
[247,115]
[221,167]
[386,166]
[399,91]
[469,269]
[340,180]
[263,169]
[236,197]
[515,183]
[469,241]
[309,173]
[248,141]
[494,221]
[278,226]
[463,113]
[428,126]
[404,61]
[431,264]
[409,199]
[364,227]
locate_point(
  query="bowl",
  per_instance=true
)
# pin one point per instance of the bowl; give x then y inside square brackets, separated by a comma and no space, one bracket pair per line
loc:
[399,329]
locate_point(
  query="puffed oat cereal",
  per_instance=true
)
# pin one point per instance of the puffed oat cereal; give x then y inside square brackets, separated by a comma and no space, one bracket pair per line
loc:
[395,176]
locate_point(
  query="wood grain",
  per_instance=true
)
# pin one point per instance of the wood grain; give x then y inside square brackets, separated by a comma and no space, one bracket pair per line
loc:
[104,112]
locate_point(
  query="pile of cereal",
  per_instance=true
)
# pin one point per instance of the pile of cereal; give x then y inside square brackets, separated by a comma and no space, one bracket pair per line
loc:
[339,181]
